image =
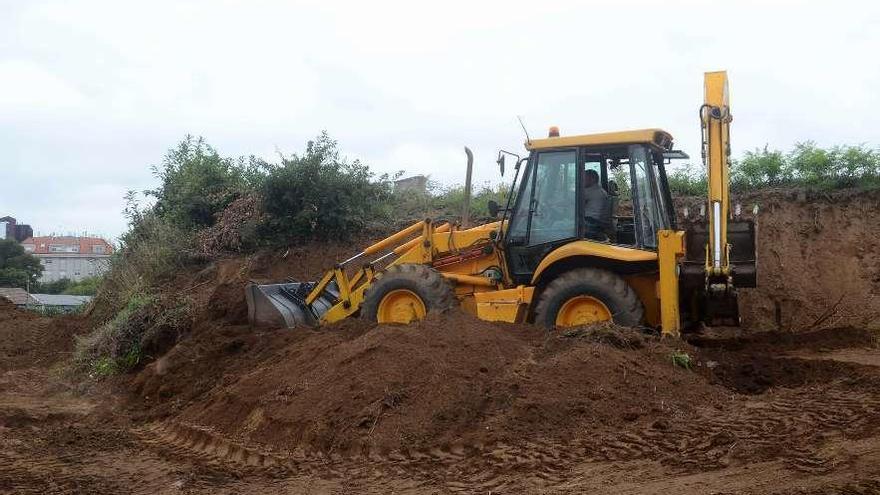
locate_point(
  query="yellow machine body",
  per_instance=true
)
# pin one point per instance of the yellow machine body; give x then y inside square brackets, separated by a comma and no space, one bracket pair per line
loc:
[477,262]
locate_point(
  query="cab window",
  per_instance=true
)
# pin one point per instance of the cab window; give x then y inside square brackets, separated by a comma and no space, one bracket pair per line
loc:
[547,208]
[648,208]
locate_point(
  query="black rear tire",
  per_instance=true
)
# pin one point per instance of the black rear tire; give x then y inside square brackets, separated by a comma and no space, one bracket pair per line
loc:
[621,300]
[435,291]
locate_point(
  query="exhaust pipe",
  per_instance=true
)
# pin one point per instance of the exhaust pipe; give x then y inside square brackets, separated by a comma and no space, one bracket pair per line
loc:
[466,209]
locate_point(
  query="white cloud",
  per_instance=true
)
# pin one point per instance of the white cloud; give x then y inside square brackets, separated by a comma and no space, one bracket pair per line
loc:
[93,92]
[27,87]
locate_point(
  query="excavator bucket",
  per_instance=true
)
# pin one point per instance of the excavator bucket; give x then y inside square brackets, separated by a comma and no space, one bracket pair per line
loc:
[284,305]
[740,236]
[717,307]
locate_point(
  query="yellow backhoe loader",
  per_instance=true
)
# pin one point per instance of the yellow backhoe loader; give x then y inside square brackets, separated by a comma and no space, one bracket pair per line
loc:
[564,252]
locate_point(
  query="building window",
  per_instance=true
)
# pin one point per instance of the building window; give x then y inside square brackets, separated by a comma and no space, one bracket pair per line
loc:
[98,249]
[61,248]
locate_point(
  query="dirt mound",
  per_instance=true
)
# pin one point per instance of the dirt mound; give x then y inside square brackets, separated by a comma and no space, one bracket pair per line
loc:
[27,339]
[457,405]
[355,387]
[452,380]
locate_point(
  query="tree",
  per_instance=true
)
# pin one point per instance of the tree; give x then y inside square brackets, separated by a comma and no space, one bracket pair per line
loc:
[322,195]
[197,183]
[17,268]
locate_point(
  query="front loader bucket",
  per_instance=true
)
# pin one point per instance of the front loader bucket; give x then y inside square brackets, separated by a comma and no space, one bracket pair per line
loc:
[284,305]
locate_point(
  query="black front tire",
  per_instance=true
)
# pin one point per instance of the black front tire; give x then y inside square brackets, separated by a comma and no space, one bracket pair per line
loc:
[621,300]
[427,283]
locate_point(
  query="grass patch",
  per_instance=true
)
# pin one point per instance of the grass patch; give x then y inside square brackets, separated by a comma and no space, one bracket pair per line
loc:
[145,327]
[682,359]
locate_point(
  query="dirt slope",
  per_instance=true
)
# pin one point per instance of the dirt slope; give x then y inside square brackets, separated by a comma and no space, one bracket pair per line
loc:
[818,259]
[30,340]
[456,405]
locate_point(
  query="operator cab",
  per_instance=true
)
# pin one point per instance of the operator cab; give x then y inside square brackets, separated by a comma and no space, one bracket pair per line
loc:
[608,188]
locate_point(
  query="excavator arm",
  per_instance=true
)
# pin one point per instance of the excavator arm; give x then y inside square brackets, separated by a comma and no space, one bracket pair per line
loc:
[720,248]
[715,121]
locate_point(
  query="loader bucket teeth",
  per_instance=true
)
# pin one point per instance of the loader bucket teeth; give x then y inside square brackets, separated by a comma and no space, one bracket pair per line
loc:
[284,305]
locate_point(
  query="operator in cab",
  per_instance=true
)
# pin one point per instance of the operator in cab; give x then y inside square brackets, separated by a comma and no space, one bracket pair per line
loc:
[595,206]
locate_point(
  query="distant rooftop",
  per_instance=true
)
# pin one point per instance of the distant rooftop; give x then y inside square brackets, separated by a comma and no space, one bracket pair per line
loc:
[60,299]
[17,296]
[67,244]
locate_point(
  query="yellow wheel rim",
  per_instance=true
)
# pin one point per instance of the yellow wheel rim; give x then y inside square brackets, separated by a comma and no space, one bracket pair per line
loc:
[582,310]
[401,306]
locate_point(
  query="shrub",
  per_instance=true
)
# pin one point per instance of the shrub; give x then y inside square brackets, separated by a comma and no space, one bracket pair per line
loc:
[687,181]
[196,184]
[321,195]
[114,346]
[151,252]
[807,165]
[56,287]
[85,287]
[449,201]
[146,326]
[759,168]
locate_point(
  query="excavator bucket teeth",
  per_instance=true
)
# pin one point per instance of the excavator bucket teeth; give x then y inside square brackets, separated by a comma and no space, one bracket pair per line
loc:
[743,257]
[278,305]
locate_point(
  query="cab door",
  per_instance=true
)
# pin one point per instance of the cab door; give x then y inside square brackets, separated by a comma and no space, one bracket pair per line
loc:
[546,211]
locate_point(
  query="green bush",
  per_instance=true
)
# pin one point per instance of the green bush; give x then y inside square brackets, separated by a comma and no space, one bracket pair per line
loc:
[450,200]
[56,287]
[110,348]
[196,184]
[807,165]
[682,360]
[321,195]
[687,181]
[151,252]
[85,287]
[759,168]
[147,325]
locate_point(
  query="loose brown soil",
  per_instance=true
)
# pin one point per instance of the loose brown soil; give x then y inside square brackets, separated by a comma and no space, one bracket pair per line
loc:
[788,404]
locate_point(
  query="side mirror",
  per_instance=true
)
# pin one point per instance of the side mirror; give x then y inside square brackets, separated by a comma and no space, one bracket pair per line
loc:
[494,208]
[500,163]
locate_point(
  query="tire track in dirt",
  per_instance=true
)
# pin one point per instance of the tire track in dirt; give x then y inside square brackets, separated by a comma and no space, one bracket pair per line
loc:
[459,468]
[789,425]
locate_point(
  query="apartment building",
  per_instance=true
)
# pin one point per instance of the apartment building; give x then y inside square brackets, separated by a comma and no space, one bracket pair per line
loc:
[70,257]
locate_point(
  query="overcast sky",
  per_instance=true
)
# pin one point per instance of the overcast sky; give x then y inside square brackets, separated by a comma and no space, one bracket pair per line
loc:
[94,92]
